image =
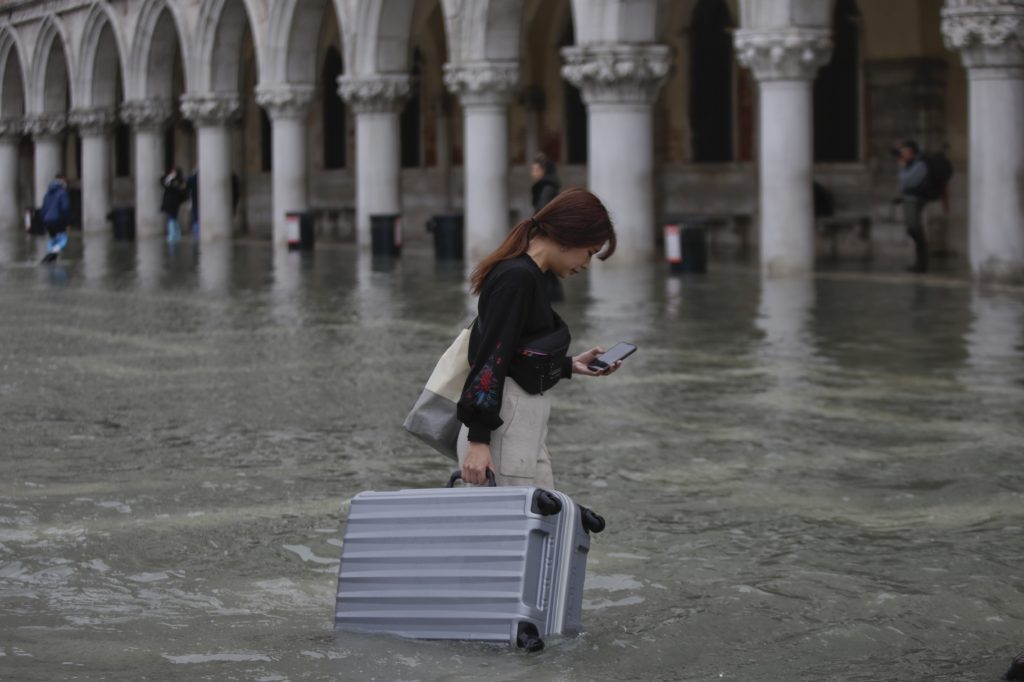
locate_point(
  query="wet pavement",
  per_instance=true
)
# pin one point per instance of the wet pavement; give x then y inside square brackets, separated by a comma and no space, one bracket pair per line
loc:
[804,479]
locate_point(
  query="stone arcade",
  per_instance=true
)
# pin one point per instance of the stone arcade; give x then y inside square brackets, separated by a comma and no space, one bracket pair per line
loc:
[726,109]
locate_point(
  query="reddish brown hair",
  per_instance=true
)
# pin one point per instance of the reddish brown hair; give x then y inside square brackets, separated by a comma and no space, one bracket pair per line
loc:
[573,219]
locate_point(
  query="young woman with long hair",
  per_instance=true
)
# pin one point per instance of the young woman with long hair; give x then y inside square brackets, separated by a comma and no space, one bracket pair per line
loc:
[518,348]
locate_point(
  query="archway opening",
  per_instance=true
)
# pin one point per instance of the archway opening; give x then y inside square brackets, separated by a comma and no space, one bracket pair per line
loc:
[837,91]
[711,82]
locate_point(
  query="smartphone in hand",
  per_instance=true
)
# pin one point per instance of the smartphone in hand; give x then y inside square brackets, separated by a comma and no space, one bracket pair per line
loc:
[619,351]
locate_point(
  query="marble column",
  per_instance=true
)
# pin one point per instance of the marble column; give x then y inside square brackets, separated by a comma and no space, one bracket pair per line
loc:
[211,114]
[620,84]
[94,128]
[288,109]
[47,131]
[10,140]
[485,89]
[784,62]
[148,118]
[377,101]
[990,37]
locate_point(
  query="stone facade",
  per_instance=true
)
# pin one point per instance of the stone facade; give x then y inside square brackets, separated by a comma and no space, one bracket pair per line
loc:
[230,85]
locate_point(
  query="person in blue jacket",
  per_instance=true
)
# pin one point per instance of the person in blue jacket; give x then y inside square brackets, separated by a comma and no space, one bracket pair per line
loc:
[56,216]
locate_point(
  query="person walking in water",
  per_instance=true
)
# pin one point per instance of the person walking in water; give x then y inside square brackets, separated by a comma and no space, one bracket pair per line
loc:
[174,195]
[518,349]
[55,215]
[913,180]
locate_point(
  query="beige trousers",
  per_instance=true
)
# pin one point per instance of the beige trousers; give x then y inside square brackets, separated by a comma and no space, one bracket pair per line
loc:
[518,446]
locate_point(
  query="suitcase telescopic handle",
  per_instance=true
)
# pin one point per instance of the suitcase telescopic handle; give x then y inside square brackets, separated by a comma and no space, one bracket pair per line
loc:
[457,474]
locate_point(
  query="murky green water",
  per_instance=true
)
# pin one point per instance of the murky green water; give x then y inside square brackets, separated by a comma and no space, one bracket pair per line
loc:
[806,479]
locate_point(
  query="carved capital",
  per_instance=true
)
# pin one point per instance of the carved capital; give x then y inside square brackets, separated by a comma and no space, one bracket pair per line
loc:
[286,101]
[384,93]
[490,82]
[97,121]
[45,125]
[618,74]
[988,33]
[211,109]
[147,113]
[784,54]
[11,127]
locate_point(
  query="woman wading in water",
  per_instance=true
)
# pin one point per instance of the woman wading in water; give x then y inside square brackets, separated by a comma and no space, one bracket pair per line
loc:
[519,346]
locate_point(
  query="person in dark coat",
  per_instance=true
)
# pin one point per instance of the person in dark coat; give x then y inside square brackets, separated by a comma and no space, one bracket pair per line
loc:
[174,196]
[913,180]
[55,216]
[192,185]
[546,187]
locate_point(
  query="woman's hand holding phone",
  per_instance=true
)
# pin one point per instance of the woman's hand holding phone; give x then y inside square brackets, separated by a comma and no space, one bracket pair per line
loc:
[580,364]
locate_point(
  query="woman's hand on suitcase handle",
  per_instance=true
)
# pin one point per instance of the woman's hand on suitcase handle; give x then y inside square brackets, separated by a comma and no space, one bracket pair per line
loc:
[478,461]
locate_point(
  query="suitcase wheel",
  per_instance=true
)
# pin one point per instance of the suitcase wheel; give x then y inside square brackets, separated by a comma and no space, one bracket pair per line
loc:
[592,521]
[528,638]
[545,504]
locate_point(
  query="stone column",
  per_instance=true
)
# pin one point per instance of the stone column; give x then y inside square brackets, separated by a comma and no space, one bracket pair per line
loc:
[485,89]
[990,37]
[148,117]
[10,139]
[377,102]
[784,62]
[619,84]
[288,109]
[94,126]
[47,131]
[211,113]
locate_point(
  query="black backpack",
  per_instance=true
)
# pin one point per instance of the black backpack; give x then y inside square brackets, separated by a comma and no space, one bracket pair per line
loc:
[940,172]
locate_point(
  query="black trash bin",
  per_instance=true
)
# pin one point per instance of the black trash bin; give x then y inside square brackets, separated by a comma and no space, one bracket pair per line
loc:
[686,245]
[123,220]
[301,235]
[386,235]
[448,239]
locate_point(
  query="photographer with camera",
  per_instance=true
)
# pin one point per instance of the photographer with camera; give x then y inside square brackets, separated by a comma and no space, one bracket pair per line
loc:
[913,187]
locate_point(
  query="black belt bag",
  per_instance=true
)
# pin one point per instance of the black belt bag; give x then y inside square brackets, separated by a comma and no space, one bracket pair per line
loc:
[538,362]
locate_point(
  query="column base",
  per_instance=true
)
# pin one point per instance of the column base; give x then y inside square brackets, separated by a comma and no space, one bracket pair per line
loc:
[1000,272]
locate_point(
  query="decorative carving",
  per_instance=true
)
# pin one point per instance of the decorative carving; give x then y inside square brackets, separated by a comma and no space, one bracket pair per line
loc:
[97,121]
[11,127]
[45,125]
[382,93]
[614,74]
[490,82]
[211,108]
[988,33]
[784,54]
[286,101]
[147,113]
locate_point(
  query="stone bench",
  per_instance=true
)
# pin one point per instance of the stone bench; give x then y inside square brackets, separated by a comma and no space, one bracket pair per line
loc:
[833,226]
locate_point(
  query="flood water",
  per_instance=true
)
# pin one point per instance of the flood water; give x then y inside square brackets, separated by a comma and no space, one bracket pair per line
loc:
[804,479]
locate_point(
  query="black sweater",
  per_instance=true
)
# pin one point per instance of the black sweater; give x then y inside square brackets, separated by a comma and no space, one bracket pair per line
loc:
[513,306]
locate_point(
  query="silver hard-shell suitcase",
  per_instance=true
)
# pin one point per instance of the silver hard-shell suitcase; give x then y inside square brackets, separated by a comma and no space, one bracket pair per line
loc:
[495,564]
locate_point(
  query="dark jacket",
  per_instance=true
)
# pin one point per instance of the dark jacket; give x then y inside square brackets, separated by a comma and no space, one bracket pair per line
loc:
[174,195]
[544,190]
[517,335]
[56,208]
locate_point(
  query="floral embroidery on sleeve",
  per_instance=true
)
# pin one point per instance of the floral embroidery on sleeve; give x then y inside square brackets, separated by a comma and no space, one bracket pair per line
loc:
[483,391]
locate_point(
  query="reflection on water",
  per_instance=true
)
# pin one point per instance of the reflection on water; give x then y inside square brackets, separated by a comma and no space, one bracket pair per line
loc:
[804,479]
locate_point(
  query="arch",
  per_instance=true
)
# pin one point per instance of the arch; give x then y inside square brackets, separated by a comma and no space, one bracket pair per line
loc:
[50,82]
[484,30]
[101,73]
[217,57]
[12,75]
[711,82]
[837,90]
[291,57]
[159,39]
[373,44]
